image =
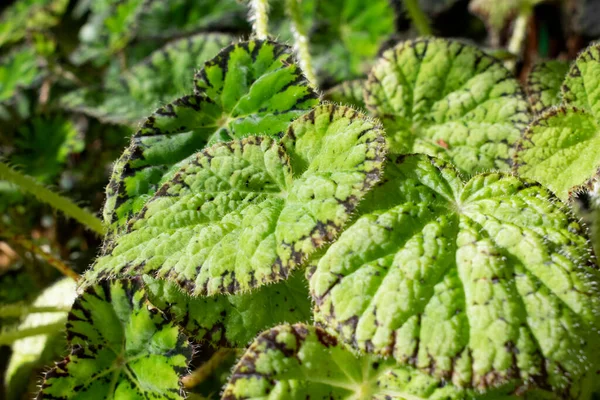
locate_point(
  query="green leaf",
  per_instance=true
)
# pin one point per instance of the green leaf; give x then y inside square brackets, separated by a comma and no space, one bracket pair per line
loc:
[558,149]
[450,100]
[121,348]
[246,213]
[544,83]
[350,34]
[482,283]
[232,321]
[24,15]
[163,76]
[18,70]
[349,92]
[249,88]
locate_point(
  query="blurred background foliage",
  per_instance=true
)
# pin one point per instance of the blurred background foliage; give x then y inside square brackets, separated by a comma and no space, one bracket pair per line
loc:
[78,76]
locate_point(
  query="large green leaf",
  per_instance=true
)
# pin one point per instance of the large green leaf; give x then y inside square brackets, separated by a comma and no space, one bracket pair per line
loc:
[160,78]
[305,362]
[245,213]
[450,100]
[18,70]
[250,88]
[121,348]
[559,148]
[544,83]
[483,283]
[29,14]
[232,320]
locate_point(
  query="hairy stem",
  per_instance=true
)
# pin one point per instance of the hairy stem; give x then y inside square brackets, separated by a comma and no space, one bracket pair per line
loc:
[418,17]
[22,309]
[53,261]
[259,14]
[67,206]
[203,372]
[9,337]
[301,41]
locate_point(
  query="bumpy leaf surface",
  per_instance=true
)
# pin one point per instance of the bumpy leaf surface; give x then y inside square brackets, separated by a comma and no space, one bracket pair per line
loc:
[244,213]
[232,320]
[559,148]
[450,100]
[305,362]
[349,92]
[18,70]
[482,284]
[159,79]
[29,14]
[250,88]
[121,348]
[544,84]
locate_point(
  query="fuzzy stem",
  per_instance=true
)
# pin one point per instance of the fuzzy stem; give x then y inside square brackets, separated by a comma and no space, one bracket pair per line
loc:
[259,10]
[301,41]
[67,206]
[200,374]
[9,337]
[418,17]
[20,310]
[53,261]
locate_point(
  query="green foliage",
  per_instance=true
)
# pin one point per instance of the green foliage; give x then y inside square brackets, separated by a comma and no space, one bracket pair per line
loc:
[348,92]
[559,148]
[482,283]
[18,70]
[449,100]
[544,84]
[27,15]
[120,348]
[246,213]
[249,88]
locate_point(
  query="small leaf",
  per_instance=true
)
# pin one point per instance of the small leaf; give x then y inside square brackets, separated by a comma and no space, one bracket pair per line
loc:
[18,70]
[232,321]
[450,100]
[349,92]
[246,213]
[121,348]
[543,84]
[580,88]
[482,283]
[23,15]
[250,88]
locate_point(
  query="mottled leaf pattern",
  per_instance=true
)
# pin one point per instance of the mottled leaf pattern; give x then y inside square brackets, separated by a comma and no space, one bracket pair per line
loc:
[560,148]
[232,320]
[349,92]
[121,348]
[544,84]
[245,213]
[482,283]
[250,88]
[450,100]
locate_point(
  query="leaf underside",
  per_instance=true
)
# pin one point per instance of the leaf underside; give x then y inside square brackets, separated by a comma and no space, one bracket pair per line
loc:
[249,88]
[121,348]
[449,100]
[482,284]
[245,213]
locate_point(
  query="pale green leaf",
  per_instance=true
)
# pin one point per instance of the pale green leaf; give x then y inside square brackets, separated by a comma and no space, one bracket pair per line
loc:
[580,88]
[484,283]
[450,100]
[245,213]
[544,83]
[120,348]
[250,88]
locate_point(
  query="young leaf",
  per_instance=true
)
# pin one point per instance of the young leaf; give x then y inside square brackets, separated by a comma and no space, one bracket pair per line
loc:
[482,283]
[349,92]
[450,100]
[300,362]
[29,14]
[121,348]
[559,148]
[249,88]
[246,213]
[232,321]
[544,83]
[160,78]
[18,70]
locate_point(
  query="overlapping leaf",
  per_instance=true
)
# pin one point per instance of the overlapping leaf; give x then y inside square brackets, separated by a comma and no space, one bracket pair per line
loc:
[161,77]
[544,83]
[232,320]
[245,213]
[450,100]
[250,88]
[485,283]
[29,14]
[121,348]
[349,92]
[18,70]
[559,148]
